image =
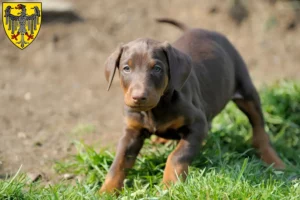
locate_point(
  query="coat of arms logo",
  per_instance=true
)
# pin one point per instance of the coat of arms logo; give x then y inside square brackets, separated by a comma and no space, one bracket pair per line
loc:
[21,22]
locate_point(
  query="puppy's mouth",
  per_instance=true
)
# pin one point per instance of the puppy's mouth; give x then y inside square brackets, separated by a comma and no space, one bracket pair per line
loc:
[141,107]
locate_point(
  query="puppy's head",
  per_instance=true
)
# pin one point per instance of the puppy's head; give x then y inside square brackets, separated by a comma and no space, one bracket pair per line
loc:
[147,68]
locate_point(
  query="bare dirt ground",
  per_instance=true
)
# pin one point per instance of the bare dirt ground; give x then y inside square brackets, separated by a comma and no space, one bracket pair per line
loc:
[56,87]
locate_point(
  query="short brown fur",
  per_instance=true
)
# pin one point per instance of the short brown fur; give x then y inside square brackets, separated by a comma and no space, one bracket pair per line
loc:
[174,92]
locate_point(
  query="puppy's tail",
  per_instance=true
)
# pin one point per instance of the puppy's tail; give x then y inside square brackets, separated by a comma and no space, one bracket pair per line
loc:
[178,24]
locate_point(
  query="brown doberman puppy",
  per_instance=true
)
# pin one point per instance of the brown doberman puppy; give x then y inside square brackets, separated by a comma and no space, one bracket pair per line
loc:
[174,91]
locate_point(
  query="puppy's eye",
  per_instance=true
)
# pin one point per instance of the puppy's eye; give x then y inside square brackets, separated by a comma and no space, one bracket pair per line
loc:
[126,69]
[157,68]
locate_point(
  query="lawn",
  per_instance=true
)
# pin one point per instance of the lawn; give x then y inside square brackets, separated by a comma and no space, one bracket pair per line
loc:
[226,168]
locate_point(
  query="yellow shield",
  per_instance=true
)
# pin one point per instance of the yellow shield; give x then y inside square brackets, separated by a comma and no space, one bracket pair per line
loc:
[22,22]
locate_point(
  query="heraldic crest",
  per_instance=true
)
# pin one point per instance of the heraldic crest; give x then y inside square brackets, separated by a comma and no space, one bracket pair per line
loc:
[21,22]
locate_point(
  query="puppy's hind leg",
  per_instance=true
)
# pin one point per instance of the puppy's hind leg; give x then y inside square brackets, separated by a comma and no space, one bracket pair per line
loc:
[247,100]
[250,105]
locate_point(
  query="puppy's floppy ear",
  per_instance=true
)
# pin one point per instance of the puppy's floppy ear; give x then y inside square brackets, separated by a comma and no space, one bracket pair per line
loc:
[180,65]
[111,64]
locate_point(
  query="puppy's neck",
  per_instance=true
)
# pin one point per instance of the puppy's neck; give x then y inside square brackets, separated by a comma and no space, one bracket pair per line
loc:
[169,94]
[165,101]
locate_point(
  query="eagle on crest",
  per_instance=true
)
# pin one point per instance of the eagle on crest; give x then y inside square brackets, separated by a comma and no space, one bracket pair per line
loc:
[22,24]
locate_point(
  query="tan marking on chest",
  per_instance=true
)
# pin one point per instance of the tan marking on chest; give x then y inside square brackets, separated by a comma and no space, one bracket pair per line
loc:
[136,124]
[133,123]
[174,124]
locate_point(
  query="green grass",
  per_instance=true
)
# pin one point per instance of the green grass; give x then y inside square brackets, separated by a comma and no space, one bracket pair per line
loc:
[226,168]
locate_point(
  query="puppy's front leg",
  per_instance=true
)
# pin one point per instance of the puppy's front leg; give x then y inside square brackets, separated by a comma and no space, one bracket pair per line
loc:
[128,148]
[186,150]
